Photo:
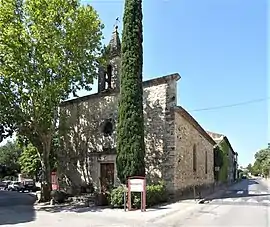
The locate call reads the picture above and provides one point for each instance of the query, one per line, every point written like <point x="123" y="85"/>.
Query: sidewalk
<point x="150" y="215"/>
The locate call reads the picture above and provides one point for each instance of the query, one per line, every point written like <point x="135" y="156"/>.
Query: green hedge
<point x="155" y="194"/>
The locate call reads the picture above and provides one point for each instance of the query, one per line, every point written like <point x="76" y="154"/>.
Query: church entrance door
<point x="106" y="176"/>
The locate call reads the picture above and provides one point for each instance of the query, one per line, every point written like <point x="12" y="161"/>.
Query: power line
<point x="231" y="105"/>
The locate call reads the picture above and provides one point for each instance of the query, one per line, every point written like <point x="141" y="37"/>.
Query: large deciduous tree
<point x="262" y="162"/>
<point x="48" y="50"/>
<point x="130" y="128"/>
<point x="263" y="159"/>
<point x="9" y="158"/>
<point x="30" y="161"/>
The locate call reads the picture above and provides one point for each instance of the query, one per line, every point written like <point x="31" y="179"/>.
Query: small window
<point x="206" y="162"/>
<point x="194" y="158"/>
<point x="107" y="127"/>
<point x="109" y="77"/>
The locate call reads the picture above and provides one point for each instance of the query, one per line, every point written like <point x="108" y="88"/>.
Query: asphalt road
<point x="16" y="208"/>
<point x="13" y="198"/>
<point x="246" y="204"/>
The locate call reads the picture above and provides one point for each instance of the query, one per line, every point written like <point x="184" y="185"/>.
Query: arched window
<point x="107" y="127"/>
<point x="109" y="77"/>
<point x="194" y="158"/>
<point x="206" y="162"/>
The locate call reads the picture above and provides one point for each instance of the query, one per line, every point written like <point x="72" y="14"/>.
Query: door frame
<point x="114" y="171"/>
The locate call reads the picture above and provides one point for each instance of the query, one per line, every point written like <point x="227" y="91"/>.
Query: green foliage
<point x="9" y="155"/>
<point x="249" y="168"/>
<point x="130" y="127"/>
<point x="256" y="168"/>
<point x="218" y="157"/>
<point x="48" y="50"/>
<point x="30" y="161"/>
<point x="262" y="162"/>
<point x="223" y="172"/>
<point x="155" y="194"/>
<point x="218" y="160"/>
<point x="117" y="196"/>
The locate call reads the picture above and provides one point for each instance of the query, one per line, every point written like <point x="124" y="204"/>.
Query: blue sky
<point x="219" y="48"/>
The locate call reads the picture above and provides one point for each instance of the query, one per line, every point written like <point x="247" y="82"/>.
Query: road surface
<point x="12" y="198"/>
<point x="246" y="204"/>
<point x="16" y="207"/>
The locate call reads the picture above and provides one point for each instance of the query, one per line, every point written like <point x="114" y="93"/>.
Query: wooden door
<point x="106" y="176"/>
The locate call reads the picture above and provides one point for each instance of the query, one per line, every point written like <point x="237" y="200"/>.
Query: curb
<point x="216" y="193"/>
<point x="211" y="196"/>
<point x="32" y="195"/>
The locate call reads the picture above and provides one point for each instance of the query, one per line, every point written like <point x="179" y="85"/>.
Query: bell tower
<point x="109" y="78"/>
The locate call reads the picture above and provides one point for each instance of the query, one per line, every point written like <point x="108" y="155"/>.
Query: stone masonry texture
<point x="188" y="137"/>
<point x="169" y="138"/>
<point x="84" y="143"/>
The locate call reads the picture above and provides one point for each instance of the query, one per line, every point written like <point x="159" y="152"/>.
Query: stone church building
<point x="178" y="150"/>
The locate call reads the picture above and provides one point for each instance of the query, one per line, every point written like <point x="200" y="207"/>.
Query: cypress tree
<point x="130" y="127"/>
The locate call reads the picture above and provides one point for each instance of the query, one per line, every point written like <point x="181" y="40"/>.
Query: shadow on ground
<point x="233" y="194"/>
<point x="242" y="190"/>
<point x="16" y="208"/>
<point x="252" y="181"/>
<point x="14" y="215"/>
<point x="69" y="208"/>
<point x="82" y="209"/>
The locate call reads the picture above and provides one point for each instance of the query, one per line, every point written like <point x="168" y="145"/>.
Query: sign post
<point x="137" y="184"/>
<point x="54" y="180"/>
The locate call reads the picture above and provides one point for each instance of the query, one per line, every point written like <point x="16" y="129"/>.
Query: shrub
<point x="102" y="199"/>
<point x="58" y="196"/>
<point x="155" y="194"/>
<point x="117" y="196"/>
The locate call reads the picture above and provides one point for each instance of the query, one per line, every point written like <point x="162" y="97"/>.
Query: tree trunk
<point x="46" y="170"/>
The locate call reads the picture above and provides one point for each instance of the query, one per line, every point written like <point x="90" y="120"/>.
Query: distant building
<point x="229" y="169"/>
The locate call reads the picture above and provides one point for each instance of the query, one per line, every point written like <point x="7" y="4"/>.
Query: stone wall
<point x="190" y="137"/>
<point x="85" y="145"/>
<point x="82" y="136"/>
<point x="231" y="165"/>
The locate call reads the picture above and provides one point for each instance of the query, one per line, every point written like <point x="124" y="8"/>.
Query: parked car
<point x="29" y="185"/>
<point x="4" y="185"/>
<point x="15" y="186"/>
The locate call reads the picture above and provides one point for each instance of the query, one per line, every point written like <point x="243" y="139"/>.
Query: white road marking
<point x="252" y="201"/>
<point x="266" y="201"/>
<point x="238" y="200"/>
<point x="228" y="200"/>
